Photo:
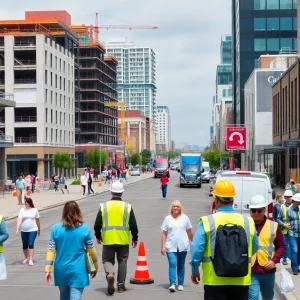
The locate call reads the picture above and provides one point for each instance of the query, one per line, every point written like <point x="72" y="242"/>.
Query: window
<point x="51" y="78"/>
<point x="272" y="4"/>
<point x="273" y="24"/>
<point x="50" y="60"/>
<point x="51" y="116"/>
<point x="46" y="95"/>
<point x="295" y="25"/>
<point x="51" y="97"/>
<point x="46" y="113"/>
<point x="286" y="4"/>
<point x="256" y="63"/>
<point x="46" y="57"/>
<point x="286" y="43"/>
<point x="259" y="24"/>
<point x="51" y="135"/>
<point x="46" y="77"/>
<point x="273" y="44"/>
<point x="286" y="23"/>
<point x="295" y="44"/>
<point x="46" y="134"/>
<point x="260" y="45"/>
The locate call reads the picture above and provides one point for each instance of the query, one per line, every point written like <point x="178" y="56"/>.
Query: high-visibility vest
<point x="284" y="219"/>
<point x="115" y="222"/>
<point x="266" y="243"/>
<point x="1" y="246"/>
<point x="211" y="224"/>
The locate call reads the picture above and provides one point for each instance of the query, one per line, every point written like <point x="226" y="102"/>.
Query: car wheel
<point x="181" y="185"/>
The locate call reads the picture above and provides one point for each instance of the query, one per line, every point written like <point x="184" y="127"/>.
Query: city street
<point x="27" y="283"/>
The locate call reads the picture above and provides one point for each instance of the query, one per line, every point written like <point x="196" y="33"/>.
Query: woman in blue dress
<point x="68" y="242"/>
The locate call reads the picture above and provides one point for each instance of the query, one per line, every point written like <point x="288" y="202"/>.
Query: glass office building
<point x="259" y="27"/>
<point x="226" y="49"/>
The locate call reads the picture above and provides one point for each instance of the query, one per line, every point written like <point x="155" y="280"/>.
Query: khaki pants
<point x="20" y="195"/>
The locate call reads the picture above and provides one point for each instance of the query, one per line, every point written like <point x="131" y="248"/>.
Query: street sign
<point x="291" y="144"/>
<point x="236" y="138"/>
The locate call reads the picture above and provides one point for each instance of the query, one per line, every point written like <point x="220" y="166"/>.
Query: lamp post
<point x="100" y="174"/>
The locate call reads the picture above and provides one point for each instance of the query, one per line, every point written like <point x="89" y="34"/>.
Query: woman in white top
<point x="29" y="220"/>
<point x="176" y="234"/>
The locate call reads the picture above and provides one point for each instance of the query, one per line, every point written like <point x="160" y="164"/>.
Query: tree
<point x="146" y="156"/>
<point x="62" y="160"/>
<point x="92" y="158"/>
<point x="173" y="154"/>
<point x="213" y="157"/>
<point x="136" y="159"/>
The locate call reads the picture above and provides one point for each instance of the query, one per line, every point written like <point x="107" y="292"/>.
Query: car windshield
<point x="206" y="169"/>
<point x="190" y="168"/>
<point x="161" y="165"/>
<point x="135" y="169"/>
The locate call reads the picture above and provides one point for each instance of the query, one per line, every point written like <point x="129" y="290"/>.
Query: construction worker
<point x="3" y="237"/>
<point x="293" y="226"/>
<point x="116" y="220"/>
<point x="271" y="250"/>
<point x="232" y="283"/>
<point x="282" y="221"/>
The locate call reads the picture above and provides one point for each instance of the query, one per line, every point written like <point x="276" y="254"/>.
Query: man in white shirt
<point x="83" y="182"/>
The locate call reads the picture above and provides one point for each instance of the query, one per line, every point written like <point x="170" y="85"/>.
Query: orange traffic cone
<point x="38" y="189"/>
<point x="100" y="183"/>
<point x="14" y="193"/>
<point x="28" y="193"/>
<point x="141" y="275"/>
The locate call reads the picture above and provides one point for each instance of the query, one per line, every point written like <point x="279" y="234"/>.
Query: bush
<point x="76" y="182"/>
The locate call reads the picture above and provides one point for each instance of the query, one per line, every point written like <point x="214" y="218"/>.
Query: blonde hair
<point x="278" y="196"/>
<point x="177" y="203"/>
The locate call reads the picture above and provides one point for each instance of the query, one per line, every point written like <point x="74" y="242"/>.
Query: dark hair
<point x="292" y="182"/>
<point x="225" y="200"/>
<point x="30" y="202"/>
<point x="71" y="215"/>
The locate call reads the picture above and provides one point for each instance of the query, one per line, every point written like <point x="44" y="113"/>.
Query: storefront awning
<point x="272" y="150"/>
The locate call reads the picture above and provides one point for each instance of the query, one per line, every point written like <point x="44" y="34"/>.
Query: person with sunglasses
<point x="271" y="250"/>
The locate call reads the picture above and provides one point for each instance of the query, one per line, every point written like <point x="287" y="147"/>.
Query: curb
<point x="64" y="202"/>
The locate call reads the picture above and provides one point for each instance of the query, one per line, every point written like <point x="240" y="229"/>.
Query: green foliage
<point x="76" y="182"/>
<point x="169" y="154"/>
<point x="146" y="155"/>
<point x="136" y="159"/>
<point x="92" y="158"/>
<point x="62" y="160"/>
<point x="213" y="157"/>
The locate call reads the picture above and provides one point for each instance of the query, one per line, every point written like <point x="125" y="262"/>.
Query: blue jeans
<point x="287" y="247"/>
<point x="164" y="190"/>
<point x="294" y="254"/>
<point x="70" y="293"/>
<point x="176" y="260"/>
<point x="264" y="284"/>
<point x="28" y="239"/>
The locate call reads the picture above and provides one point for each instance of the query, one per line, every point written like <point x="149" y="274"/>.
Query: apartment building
<point x="164" y="128"/>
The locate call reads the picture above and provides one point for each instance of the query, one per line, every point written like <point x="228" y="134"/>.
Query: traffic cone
<point x="28" y="193"/>
<point x="100" y="183"/>
<point x="38" y="189"/>
<point x="141" y="275"/>
<point x="14" y="193"/>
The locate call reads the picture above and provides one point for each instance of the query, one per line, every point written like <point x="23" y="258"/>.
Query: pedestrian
<point x="106" y="174"/>
<point x="176" y="234"/>
<point x="29" y="221"/>
<point x="226" y="267"/>
<point x="90" y="182"/>
<point x="27" y="182"/>
<point x="164" y="180"/>
<point x="277" y="206"/>
<point x="114" y="222"/>
<point x="56" y="182"/>
<point x="282" y="220"/>
<point x="32" y="183"/>
<point x="70" y="271"/>
<point x="20" y="186"/>
<point x="3" y="237"/>
<point x="83" y="182"/>
<point x="292" y="224"/>
<point x="63" y="183"/>
<point x="264" y="261"/>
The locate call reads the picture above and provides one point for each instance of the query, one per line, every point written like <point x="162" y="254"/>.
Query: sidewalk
<point x="47" y="199"/>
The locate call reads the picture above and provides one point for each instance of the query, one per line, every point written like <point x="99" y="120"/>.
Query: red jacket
<point x="164" y="180"/>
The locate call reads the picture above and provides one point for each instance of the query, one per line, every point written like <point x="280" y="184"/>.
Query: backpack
<point x="231" y="251"/>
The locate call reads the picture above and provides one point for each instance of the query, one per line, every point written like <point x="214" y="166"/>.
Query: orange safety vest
<point x="266" y="244"/>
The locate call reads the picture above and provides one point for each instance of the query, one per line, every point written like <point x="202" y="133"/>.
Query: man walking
<point x="20" y="186"/>
<point x="114" y="222"/>
<point x="225" y="248"/>
<point x="282" y="221"/>
<point x="164" y="185"/>
<point x="271" y="249"/>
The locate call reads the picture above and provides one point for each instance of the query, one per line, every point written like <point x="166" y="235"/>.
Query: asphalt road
<point x="27" y="283"/>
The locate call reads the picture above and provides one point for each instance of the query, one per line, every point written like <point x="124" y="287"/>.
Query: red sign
<point x="236" y="138"/>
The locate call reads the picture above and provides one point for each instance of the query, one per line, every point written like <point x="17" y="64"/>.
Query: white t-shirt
<point x="177" y="237"/>
<point x="83" y="180"/>
<point x="28" y="217"/>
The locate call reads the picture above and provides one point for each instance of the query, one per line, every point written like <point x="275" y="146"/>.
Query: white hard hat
<point x="258" y="201"/>
<point x="117" y="187"/>
<point x="288" y="193"/>
<point x="296" y="197"/>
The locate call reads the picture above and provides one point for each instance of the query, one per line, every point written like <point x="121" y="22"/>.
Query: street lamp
<point x="100" y="158"/>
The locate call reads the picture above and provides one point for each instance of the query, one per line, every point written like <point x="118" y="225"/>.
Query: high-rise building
<point x="136" y="76"/>
<point x="226" y="49"/>
<point x="164" y="127"/>
<point x="259" y="27"/>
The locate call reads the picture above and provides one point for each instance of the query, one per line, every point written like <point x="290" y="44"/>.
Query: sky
<point x="187" y="47"/>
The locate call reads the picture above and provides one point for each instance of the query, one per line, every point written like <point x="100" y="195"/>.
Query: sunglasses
<point x="257" y="210"/>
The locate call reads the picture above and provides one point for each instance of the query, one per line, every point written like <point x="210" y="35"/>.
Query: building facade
<point x="164" y="126"/>
<point x="258" y="27"/>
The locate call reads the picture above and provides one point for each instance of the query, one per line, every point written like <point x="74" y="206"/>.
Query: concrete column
<point x="2" y="167"/>
<point x="140" y="136"/>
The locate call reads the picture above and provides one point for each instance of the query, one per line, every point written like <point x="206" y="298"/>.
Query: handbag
<point x="89" y="263"/>
<point x="3" y="273"/>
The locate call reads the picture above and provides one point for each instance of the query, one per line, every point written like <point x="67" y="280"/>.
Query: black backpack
<point x="231" y="251"/>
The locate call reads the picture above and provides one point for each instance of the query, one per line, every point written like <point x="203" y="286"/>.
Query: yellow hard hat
<point x="224" y="188"/>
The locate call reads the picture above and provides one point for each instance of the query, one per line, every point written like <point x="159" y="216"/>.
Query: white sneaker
<point x="180" y="288"/>
<point x="172" y="288"/>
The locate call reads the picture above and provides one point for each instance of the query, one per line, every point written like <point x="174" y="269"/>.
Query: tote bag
<point x="3" y="274"/>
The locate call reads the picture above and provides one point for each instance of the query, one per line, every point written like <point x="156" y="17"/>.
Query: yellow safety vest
<point x="266" y="250"/>
<point x="1" y="246"/>
<point x="211" y="224"/>
<point x="115" y="222"/>
<point x="284" y="219"/>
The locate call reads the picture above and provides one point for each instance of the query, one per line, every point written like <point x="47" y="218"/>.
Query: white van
<point x="248" y="184"/>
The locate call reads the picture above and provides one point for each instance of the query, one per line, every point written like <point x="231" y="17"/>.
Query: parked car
<point x="135" y="171"/>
